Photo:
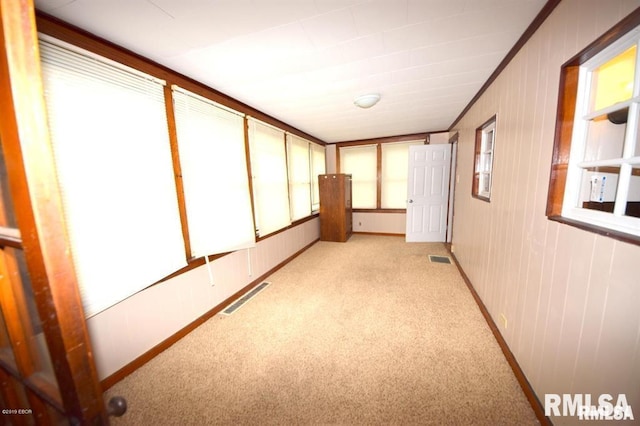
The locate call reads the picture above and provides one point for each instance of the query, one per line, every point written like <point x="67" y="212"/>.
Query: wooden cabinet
<point x="335" y="207"/>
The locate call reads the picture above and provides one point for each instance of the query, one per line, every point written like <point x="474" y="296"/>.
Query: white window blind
<point x="299" y="176"/>
<point x="395" y="167"/>
<point x="361" y="162"/>
<point x="213" y="163"/>
<point x="318" y="167"/>
<point x="269" y="174"/>
<point x="113" y="160"/>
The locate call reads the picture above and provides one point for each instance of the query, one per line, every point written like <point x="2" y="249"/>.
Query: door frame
<point x="453" y="171"/>
<point x="38" y="209"/>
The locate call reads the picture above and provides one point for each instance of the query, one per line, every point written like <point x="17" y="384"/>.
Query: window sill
<point x="379" y="210"/>
<point x="481" y="198"/>
<point x="620" y="236"/>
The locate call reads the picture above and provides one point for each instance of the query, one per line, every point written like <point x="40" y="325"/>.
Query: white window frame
<point x="571" y="208"/>
<point x="485" y="174"/>
<point x="318" y="167"/>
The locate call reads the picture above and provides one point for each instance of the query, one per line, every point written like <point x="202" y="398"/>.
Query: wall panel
<point x="570" y="297"/>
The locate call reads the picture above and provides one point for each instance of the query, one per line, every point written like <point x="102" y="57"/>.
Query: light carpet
<point x="363" y="332"/>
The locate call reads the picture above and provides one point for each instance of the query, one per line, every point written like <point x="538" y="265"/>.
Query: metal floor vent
<point x="439" y="259"/>
<point x="244" y="299"/>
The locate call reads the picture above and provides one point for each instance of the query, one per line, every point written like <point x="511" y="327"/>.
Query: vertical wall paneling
<point x="127" y="330"/>
<point x="570" y="297"/>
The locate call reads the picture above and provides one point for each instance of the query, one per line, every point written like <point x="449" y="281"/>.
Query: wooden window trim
<point x="475" y="188"/>
<point x="568" y="91"/>
<point x="26" y="146"/>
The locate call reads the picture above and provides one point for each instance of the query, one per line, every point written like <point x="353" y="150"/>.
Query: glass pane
<point x="16" y="408"/>
<point x="636" y="150"/>
<point x="599" y="186"/>
<point x="633" y="198"/>
<point x="6" y="354"/>
<point x="28" y="314"/>
<point x="605" y="140"/>
<point x="7" y="215"/>
<point x="361" y="163"/>
<point x="486" y="162"/>
<point x="395" y="171"/>
<point x="612" y="82"/>
<point x="485" y="183"/>
<point x="489" y="141"/>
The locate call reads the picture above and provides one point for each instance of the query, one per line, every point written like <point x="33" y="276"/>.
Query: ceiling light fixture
<point x="367" y="101"/>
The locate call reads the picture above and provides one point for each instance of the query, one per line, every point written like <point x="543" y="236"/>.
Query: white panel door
<point x="428" y="193"/>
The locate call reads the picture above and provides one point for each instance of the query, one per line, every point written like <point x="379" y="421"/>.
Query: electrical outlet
<point x="504" y="320"/>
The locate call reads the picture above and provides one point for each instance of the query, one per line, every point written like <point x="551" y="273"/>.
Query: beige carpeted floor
<point x="363" y="332"/>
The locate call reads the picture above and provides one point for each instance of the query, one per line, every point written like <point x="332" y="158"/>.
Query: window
<point x="299" y="162"/>
<point x="379" y="171"/>
<point x="395" y="169"/>
<point x="595" y="178"/>
<point x="306" y="161"/>
<point x="269" y="174"/>
<point x="361" y="163"/>
<point x="113" y="159"/>
<point x="318" y="167"/>
<point x="483" y="172"/>
<point x="213" y="166"/>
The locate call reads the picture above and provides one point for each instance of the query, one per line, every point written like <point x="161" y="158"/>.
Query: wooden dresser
<point x="335" y="207"/>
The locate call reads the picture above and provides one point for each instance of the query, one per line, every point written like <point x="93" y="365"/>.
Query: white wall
<point x="571" y="298"/>
<point x="379" y="223"/>
<point x="439" y="138"/>
<point x="129" y="329"/>
<point x="330" y="158"/>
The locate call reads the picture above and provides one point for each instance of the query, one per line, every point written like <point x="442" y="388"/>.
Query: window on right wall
<point x="595" y="175"/>
<point x="483" y="171"/>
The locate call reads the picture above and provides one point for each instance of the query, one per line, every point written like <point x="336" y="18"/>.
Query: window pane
<point x="598" y="191"/>
<point x="7" y="215"/>
<point x="299" y="177"/>
<point x="23" y="328"/>
<point x="605" y="140"/>
<point x="485" y="183"/>
<point x="395" y="169"/>
<point x="269" y="174"/>
<point x="633" y="200"/>
<point x="214" y="174"/>
<point x="361" y="162"/>
<point x="612" y="82"/>
<point x="113" y="159"/>
<point x="636" y="149"/>
<point x="318" y="166"/>
<point x="488" y="139"/>
<point x="6" y="354"/>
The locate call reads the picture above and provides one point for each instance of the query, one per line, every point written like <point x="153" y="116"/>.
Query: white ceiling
<point x="304" y="61"/>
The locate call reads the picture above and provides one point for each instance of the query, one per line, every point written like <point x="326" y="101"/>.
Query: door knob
<point x="117" y="406"/>
<point x="410" y="201"/>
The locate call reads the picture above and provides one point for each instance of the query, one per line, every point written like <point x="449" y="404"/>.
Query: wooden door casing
<point x="76" y="395"/>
